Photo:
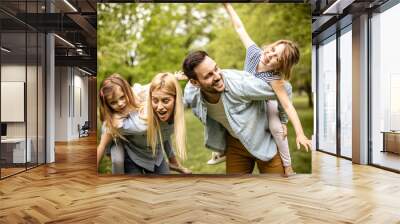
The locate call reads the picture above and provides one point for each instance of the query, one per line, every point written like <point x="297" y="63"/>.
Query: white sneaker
<point x="216" y="158"/>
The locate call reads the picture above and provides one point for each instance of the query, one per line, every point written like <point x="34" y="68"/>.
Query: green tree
<point x="141" y="40"/>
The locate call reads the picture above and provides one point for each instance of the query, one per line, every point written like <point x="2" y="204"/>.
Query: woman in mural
<point x="273" y="64"/>
<point x="142" y="131"/>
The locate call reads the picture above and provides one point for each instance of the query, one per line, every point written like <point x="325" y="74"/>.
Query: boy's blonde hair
<point x="168" y="83"/>
<point x="289" y="57"/>
<point x="107" y="88"/>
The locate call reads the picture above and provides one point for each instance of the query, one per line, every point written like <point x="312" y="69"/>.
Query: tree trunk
<point x="309" y="94"/>
<point x="129" y="79"/>
<point x="310" y="99"/>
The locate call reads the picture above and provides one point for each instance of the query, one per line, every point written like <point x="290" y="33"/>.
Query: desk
<point x="13" y="150"/>
<point x="391" y="141"/>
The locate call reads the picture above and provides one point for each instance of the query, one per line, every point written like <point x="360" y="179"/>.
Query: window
<point x="385" y="85"/>
<point x="22" y="75"/>
<point x="346" y="75"/>
<point x="327" y="95"/>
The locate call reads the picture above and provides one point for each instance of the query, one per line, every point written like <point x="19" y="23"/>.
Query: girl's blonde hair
<point x="107" y="88"/>
<point x="168" y="83"/>
<point x="289" y="57"/>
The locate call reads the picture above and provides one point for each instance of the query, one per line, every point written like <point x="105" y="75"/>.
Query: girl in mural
<point x="139" y="138"/>
<point x="273" y="64"/>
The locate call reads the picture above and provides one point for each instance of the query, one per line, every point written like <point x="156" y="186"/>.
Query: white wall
<point x="61" y="103"/>
<point x="34" y="124"/>
<point x="80" y="110"/>
<point x="71" y="94"/>
<point x="14" y="73"/>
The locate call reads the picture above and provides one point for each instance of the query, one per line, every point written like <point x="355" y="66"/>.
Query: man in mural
<point x="231" y="106"/>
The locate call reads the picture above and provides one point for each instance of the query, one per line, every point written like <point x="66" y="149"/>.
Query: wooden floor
<point x="70" y="191"/>
<point x="10" y="171"/>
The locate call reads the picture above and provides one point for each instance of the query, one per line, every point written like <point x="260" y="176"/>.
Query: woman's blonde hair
<point x="168" y="83"/>
<point x="107" y="88"/>
<point x="289" y="57"/>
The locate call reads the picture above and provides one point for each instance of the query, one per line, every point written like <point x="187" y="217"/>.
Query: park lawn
<point x="198" y="154"/>
<point x="301" y="160"/>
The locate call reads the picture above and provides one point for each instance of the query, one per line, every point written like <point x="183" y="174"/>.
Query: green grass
<point x="198" y="154"/>
<point x="301" y="160"/>
<point x="105" y="165"/>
